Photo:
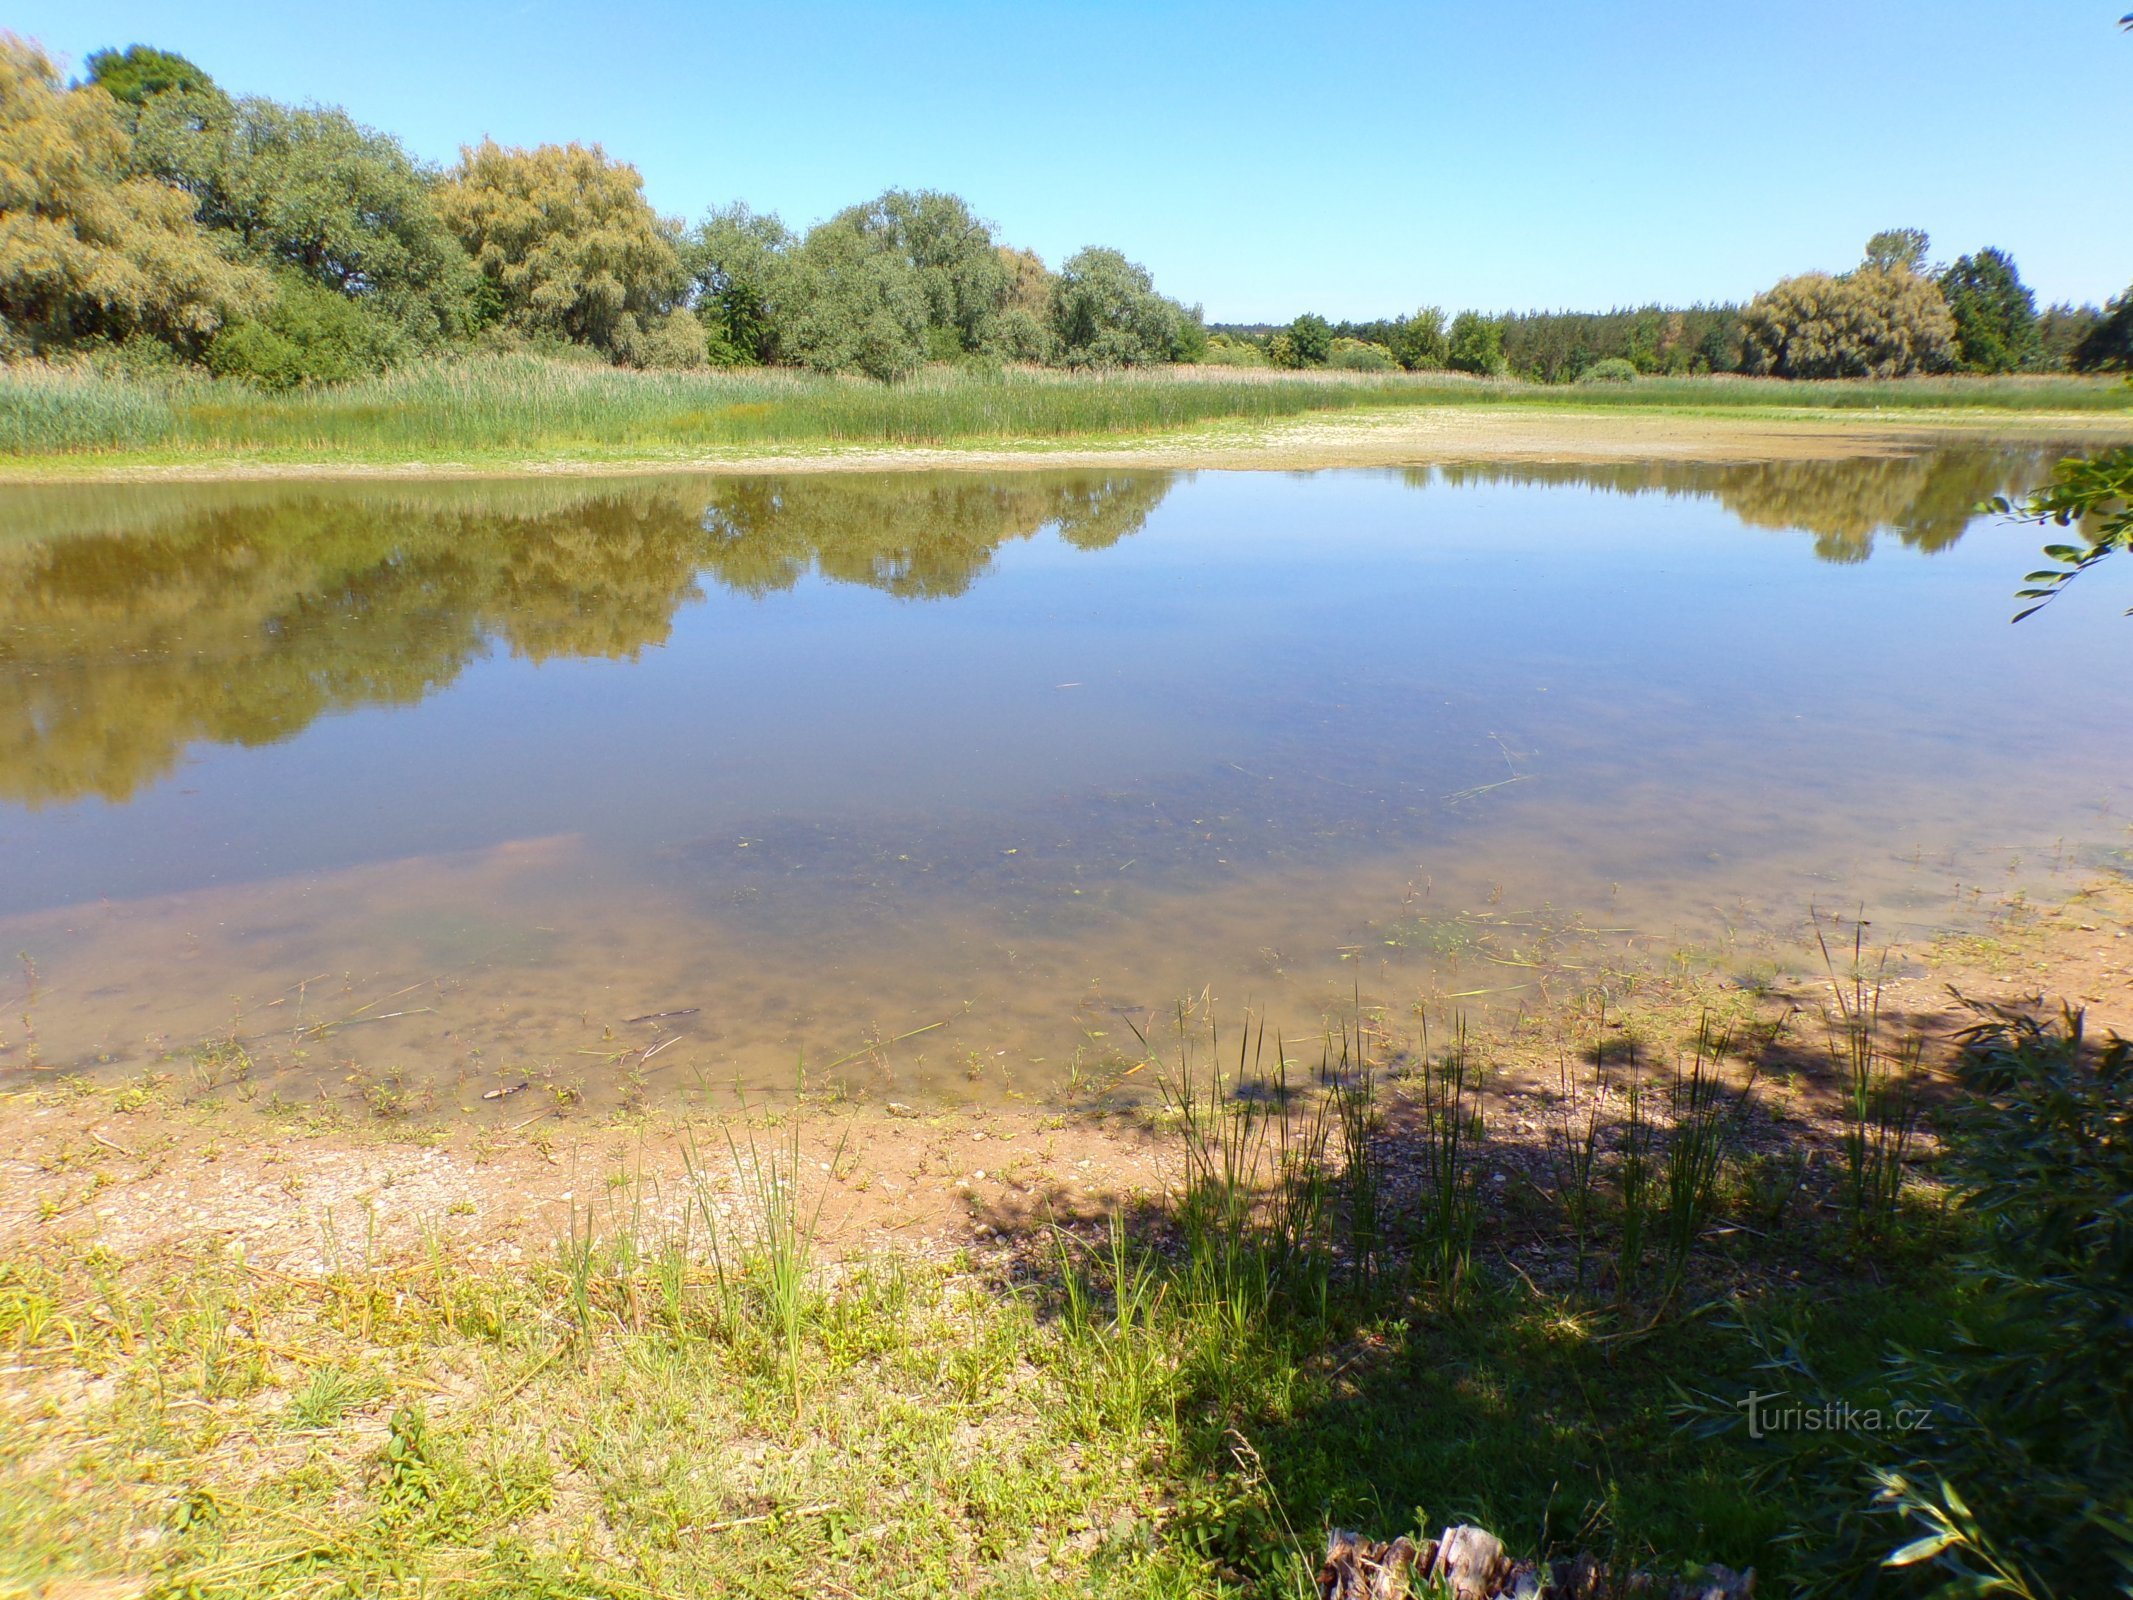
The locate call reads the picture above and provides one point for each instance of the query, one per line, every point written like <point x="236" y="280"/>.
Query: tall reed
<point x="1704" y="1122"/>
<point x="1633" y="1184"/>
<point x="1452" y="1126"/>
<point x="1881" y="1087"/>
<point x="1575" y="1136"/>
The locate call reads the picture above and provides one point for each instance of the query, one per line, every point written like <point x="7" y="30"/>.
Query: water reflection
<point x="153" y="622"/>
<point x="135" y="621"/>
<point x="1926" y="500"/>
<point x="812" y="758"/>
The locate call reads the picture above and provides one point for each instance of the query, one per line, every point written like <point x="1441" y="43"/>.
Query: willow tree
<point x="1876" y="322"/>
<point x="310" y="190"/>
<point x="1106" y="313"/>
<point x="851" y="300"/>
<point x="88" y="250"/>
<point x="566" y="244"/>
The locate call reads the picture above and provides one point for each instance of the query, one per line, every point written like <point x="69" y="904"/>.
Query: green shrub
<point x="1223" y="351"/>
<point x="671" y="343"/>
<point x="1613" y="370"/>
<point x="2034" y="1400"/>
<point x="2014" y="1474"/>
<point x="1359" y="355"/>
<point x="307" y="335"/>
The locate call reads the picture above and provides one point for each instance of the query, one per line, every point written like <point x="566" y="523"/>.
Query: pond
<point x="408" y="794"/>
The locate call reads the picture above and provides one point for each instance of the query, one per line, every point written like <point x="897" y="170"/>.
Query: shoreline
<point x="1400" y="437"/>
<point x="268" y="1174"/>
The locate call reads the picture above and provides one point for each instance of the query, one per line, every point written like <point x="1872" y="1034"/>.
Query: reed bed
<point x="522" y="405"/>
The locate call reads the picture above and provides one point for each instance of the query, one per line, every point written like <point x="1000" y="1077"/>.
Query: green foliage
<point x="1417" y="342"/>
<point x="1475" y="344"/>
<point x="1224" y="351"/>
<point x="1358" y="355"/>
<point x="672" y="343"/>
<point x="1188" y="346"/>
<point x="1995" y="313"/>
<point x="1559" y="346"/>
<point x="961" y="277"/>
<point x="309" y="189"/>
<point x="850" y="300"/>
<point x="2034" y="1413"/>
<point x="306" y="335"/>
<point x="89" y="249"/>
<point x="735" y="256"/>
<point x="1311" y="337"/>
<point x="1614" y="369"/>
<point x="2093" y="494"/>
<point x="565" y="241"/>
<point x="1898" y="250"/>
<point x="1106" y="313"/>
<point x="2060" y="330"/>
<point x="2107" y="345"/>
<point x="141" y="71"/>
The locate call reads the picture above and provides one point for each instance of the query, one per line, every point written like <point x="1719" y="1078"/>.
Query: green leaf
<point x="1922" y="1549"/>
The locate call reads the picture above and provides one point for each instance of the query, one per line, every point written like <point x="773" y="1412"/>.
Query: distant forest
<point x="150" y="223"/>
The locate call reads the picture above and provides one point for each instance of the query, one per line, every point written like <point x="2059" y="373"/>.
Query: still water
<point x="943" y="781"/>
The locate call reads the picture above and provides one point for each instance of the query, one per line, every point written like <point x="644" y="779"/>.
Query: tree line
<point x="150" y="219"/>
<point x="1891" y="316"/>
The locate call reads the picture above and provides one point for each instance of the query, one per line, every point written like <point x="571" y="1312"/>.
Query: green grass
<point x="523" y="407"/>
<point x="681" y="1395"/>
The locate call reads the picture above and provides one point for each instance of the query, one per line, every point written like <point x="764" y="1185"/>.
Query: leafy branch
<point x="2094" y="491"/>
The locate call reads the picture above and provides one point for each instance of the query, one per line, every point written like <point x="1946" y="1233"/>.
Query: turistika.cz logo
<point x="1781" y="1413"/>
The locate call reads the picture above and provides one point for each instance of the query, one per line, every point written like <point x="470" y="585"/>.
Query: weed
<point x="1881" y="1093"/>
<point x="1452" y="1125"/>
<point x="1703" y="1127"/>
<point x="332" y="1392"/>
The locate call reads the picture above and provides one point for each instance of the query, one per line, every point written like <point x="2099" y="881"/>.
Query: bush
<point x="2035" y="1405"/>
<point x="1613" y="370"/>
<point x="2015" y="1475"/>
<point x="1223" y="351"/>
<point x="672" y="343"/>
<point x="306" y="335"/>
<point x="1359" y="355"/>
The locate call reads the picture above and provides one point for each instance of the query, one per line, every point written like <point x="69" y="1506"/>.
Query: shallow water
<point x="946" y="782"/>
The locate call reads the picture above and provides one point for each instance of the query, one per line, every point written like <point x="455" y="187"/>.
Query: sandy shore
<point x="1397" y="438"/>
<point x="143" y="1166"/>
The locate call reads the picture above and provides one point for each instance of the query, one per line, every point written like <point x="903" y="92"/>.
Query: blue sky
<point x="1265" y="159"/>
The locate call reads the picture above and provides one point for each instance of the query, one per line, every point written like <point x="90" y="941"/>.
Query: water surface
<point x="942" y="780"/>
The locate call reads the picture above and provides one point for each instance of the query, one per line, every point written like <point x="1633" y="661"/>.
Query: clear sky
<point x="1268" y="158"/>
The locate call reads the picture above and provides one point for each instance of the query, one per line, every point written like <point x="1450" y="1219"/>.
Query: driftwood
<point x="1468" y="1563"/>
